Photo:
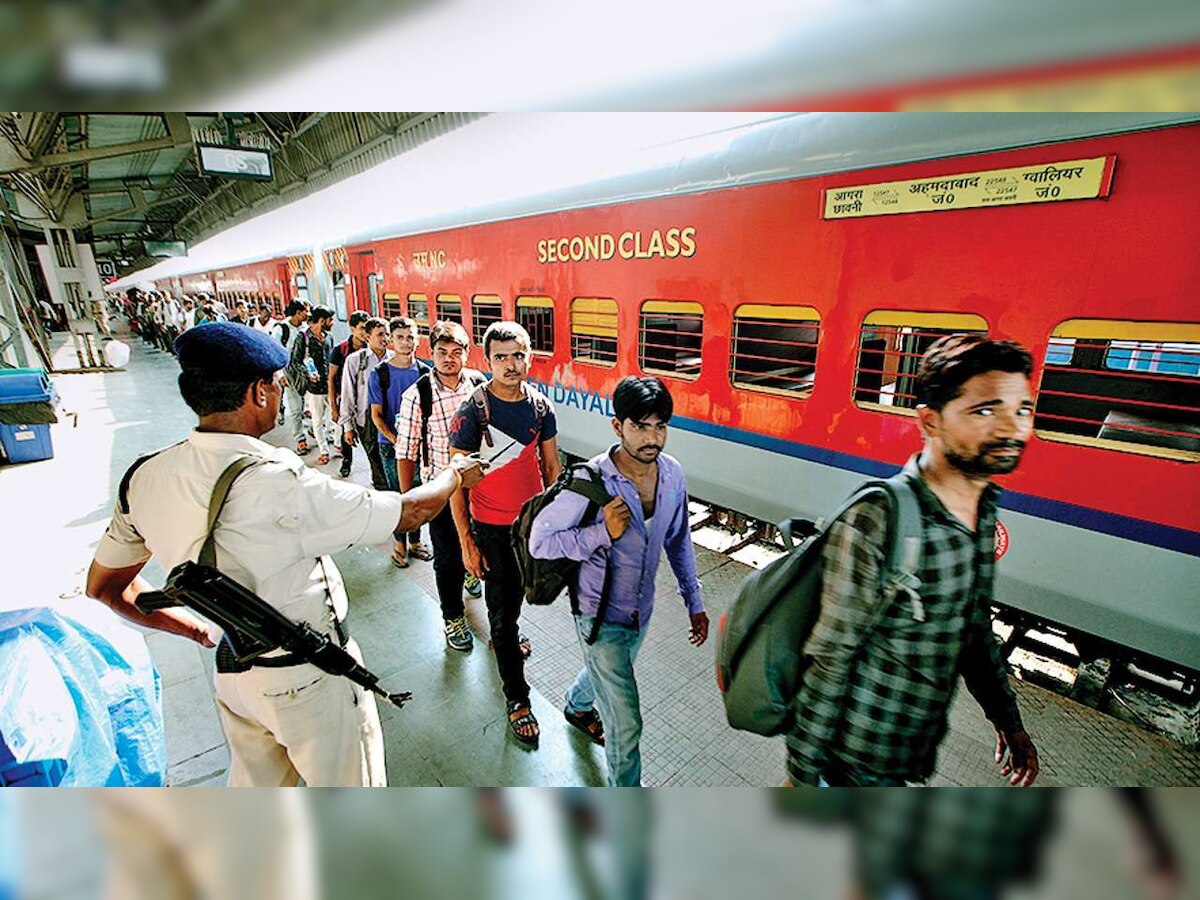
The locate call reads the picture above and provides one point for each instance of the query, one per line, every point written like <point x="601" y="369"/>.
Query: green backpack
<point x="760" y="640"/>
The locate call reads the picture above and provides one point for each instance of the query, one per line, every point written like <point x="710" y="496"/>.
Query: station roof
<point x="122" y="180"/>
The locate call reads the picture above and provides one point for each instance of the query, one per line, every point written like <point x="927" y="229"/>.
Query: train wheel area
<point x="454" y="732"/>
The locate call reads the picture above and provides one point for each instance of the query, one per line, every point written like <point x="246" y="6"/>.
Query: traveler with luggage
<point x="618" y="546"/>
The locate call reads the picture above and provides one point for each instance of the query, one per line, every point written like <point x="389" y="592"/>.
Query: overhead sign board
<point x="234" y="162"/>
<point x="1077" y="179"/>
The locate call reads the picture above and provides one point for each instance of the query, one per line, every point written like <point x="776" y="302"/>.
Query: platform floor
<point x="454" y="732"/>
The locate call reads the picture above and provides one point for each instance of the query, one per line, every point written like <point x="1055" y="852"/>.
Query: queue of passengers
<point x="462" y="452"/>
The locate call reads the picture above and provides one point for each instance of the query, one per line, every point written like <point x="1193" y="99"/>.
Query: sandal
<point x="323" y="459"/>
<point x="526" y="647"/>
<point x="420" y="551"/>
<point x="302" y="447"/>
<point x="523" y="720"/>
<point x="588" y="722"/>
<point x="399" y="557"/>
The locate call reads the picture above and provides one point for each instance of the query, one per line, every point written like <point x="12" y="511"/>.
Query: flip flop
<point x="399" y="559"/>
<point x="421" y="552"/>
<point x="524" y="718"/>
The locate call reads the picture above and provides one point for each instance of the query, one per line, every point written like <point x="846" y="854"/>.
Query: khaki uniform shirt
<point x="279" y="522"/>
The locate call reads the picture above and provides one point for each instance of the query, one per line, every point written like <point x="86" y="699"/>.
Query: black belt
<point x="228" y="664"/>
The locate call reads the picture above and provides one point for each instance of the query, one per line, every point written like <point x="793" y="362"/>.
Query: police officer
<point x="284" y="720"/>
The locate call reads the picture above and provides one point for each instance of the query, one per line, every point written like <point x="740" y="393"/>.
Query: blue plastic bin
<point x="24" y="386"/>
<point x="26" y="443"/>
<point x="35" y="773"/>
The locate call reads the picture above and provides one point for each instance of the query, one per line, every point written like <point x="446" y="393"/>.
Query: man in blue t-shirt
<point x="385" y="385"/>
<point x="519" y="438"/>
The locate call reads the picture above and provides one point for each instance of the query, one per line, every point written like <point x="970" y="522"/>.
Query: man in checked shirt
<point x="873" y="705"/>
<point x="428" y="444"/>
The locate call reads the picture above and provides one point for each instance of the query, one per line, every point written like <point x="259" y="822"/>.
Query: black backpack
<point x="760" y="640"/>
<point x="425" y="396"/>
<point x="544" y="579"/>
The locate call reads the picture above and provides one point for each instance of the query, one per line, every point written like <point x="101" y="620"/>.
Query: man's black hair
<point x="207" y="395"/>
<point x="637" y="399"/>
<point x="448" y="330"/>
<point x="320" y="312"/>
<point x="375" y="322"/>
<point x="952" y="361"/>
<point x="399" y="323"/>
<point x="499" y="332"/>
<point x="294" y="307"/>
<point x="357" y="317"/>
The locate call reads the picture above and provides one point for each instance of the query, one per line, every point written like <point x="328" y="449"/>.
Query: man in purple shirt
<point x="648" y="513"/>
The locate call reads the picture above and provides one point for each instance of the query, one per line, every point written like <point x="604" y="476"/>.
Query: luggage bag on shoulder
<point x="760" y="640"/>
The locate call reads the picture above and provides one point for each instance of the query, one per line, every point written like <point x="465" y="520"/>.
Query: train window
<point x="669" y="337"/>
<point x="391" y="306"/>
<point x="594" y="330"/>
<point x="449" y="308"/>
<point x="1132" y="386"/>
<point x="302" y="287"/>
<point x="278" y="305"/>
<point x="418" y="311"/>
<point x="486" y="309"/>
<point x="774" y="348"/>
<point x="536" y="315"/>
<point x="890" y="348"/>
<point x="339" y="294"/>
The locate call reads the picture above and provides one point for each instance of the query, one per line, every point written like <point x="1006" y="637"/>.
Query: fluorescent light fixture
<point x="165" y="248"/>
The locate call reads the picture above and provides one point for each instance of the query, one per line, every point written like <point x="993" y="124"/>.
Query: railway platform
<point x="454" y="732"/>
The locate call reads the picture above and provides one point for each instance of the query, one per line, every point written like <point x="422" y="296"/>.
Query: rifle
<point x="252" y="626"/>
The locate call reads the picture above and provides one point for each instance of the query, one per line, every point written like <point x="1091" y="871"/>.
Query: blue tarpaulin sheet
<point x="94" y="700"/>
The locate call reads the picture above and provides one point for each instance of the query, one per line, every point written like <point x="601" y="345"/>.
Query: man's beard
<point x="980" y="465"/>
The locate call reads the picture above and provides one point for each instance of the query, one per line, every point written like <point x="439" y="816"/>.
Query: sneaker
<point x="458" y="635"/>
<point x="344" y="472"/>
<point x="473" y="586"/>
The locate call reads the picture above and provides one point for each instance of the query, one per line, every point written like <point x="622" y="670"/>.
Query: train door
<point x="283" y="296"/>
<point x="366" y="282"/>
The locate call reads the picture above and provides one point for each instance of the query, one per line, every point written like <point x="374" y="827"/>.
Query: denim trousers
<point x="387" y="456"/>
<point x="607" y="679"/>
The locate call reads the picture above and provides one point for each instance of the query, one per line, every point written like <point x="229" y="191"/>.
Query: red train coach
<point x="785" y="283"/>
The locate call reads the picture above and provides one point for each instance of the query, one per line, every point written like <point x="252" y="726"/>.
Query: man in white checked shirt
<point x="427" y="441"/>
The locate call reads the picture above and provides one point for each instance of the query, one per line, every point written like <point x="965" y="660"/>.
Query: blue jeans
<point x="607" y="679"/>
<point x="387" y="456"/>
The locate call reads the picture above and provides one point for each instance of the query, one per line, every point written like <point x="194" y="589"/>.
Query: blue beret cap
<point x="229" y="350"/>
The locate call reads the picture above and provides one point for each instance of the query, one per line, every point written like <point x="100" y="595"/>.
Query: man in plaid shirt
<point x="873" y="705"/>
<point x="450" y="385"/>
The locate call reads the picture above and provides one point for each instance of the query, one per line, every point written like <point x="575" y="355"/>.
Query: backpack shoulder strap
<point x="541" y="405"/>
<point x="905" y="531"/>
<point x="479" y="397"/>
<point x="123" y="488"/>
<point x="208" y="550"/>
<point x="588" y="482"/>
<point x="385" y="379"/>
<point x="425" y="394"/>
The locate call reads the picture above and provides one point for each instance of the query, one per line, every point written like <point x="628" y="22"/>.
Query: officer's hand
<point x="1017" y="757"/>
<point x="471" y="468"/>
<point x="206" y="635"/>
<point x="473" y="560"/>
<point x="616" y="517"/>
<point x="351" y="437"/>
<point x="699" y="633"/>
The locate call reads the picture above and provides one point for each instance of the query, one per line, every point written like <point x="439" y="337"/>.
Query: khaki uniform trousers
<point x="283" y="725"/>
<point x="217" y="845"/>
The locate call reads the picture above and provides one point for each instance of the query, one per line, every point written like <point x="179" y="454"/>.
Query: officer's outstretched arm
<point x="119" y="588"/>
<point x="425" y="501"/>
